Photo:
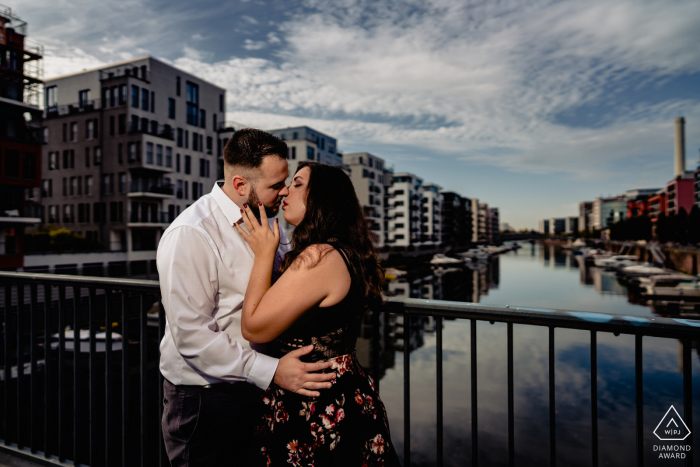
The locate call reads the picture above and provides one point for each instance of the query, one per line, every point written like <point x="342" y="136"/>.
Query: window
<point x="113" y="211"/>
<point x="122" y="124"/>
<point x="154" y="127"/>
<point x="80" y="186"/>
<point x="120" y="153"/>
<point x="122" y="182"/>
<point x="180" y="138"/>
<point x="171" y="107"/>
<point x="74" y="131"/>
<point x="177" y="86"/>
<point x="81" y="212"/>
<point x="399" y="226"/>
<point x="53" y="214"/>
<point x="47" y="188"/>
<point x="195" y="190"/>
<point x="159" y="154"/>
<point x="310" y="153"/>
<point x="295" y="135"/>
<point x="187" y="139"/>
<point x="294" y="153"/>
<point x="202" y="169"/>
<point x="144" y="125"/>
<point x="105" y="98"/>
<point x="68" y="213"/>
<point x="53" y="160"/>
<point x="88" y="185"/>
<point x="210" y="143"/>
<point x="45" y="139"/>
<point x="195" y="142"/>
<point x="153" y="101"/>
<point x="149" y="153"/>
<point x="177" y="162"/>
<point x="188" y="165"/>
<point x="221" y="102"/>
<point x="83" y="97"/>
<point x="132" y="152"/>
<point x="122" y="94"/>
<point x="65" y="132"/>
<point x="134" y="96"/>
<point x="187" y="185"/>
<point x="111" y="125"/>
<point x="202" y="118"/>
<point x="29" y="166"/>
<point x="144" y="99"/>
<point x="89" y="129"/>
<point x="213" y="121"/>
<point x="65" y="186"/>
<point x="179" y="189"/>
<point x="105" y="184"/>
<point x="207" y="173"/>
<point x="97" y="156"/>
<point x="51" y="97"/>
<point x="192" y="104"/>
<point x="168" y="157"/>
<point x="87" y="157"/>
<point x="115" y="96"/>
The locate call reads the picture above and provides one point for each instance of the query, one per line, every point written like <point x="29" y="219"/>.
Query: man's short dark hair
<point x="247" y="148"/>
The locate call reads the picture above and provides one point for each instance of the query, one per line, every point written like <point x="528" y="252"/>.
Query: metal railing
<point x="81" y="407"/>
<point x="146" y="186"/>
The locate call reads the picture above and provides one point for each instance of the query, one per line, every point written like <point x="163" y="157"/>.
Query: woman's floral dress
<point x="347" y="424"/>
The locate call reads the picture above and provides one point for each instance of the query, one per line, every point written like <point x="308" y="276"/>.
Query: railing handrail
<point x="569" y="319"/>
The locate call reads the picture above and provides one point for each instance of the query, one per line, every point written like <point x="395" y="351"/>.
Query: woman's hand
<point x="262" y="240"/>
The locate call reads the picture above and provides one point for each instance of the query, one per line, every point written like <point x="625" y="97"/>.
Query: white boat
<point x="616" y="262"/>
<point x="668" y="286"/>
<point x="440" y="258"/>
<point x="642" y="270"/>
<point x="642" y="282"/>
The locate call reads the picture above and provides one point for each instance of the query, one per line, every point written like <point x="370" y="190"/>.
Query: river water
<point x="541" y="277"/>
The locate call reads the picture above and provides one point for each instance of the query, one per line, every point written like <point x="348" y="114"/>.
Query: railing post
<point x="475" y="432"/>
<point x="511" y="404"/>
<point x="8" y="364"/>
<point x="407" y="389"/>
<point x="688" y="396"/>
<point x="33" y="390"/>
<point x="639" y="393"/>
<point x="20" y="363"/>
<point x="439" y="408"/>
<point x="594" y="399"/>
<point x="552" y="403"/>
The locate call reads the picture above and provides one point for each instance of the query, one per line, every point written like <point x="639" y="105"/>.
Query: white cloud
<point x="254" y="45"/>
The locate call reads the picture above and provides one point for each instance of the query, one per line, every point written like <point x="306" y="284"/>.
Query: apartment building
<point x="680" y="194"/>
<point x="585" y="211"/>
<point x="494" y="230"/>
<point x="607" y="211"/>
<point x="308" y="144"/>
<point x="431" y="214"/>
<point x="403" y="210"/>
<point x="456" y="221"/>
<point x="129" y="147"/>
<point x="483" y="225"/>
<point x="20" y="136"/>
<point x="367" y="173"/>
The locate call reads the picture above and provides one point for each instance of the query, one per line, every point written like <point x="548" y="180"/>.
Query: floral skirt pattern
<point x="345" y="426"/>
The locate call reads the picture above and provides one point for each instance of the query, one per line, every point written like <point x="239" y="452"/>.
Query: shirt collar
<point x="230" y="209"/>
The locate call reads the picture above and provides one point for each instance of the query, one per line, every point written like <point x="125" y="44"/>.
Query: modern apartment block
<point x="20" y="136"/>
<point x="585" y="210"/>
<point x="483" y="225"/>
<point x="456" y="220"/>
<point x="307" y="144"/>
<point x="431" y="215"/>
<point x="367" y="173"/>
<point x="403" y="213"/>
<point x="129" y="147"/>
<point x="494" y="221"/>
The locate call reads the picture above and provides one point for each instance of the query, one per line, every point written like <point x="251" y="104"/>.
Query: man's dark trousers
<point x="211" y="426"/>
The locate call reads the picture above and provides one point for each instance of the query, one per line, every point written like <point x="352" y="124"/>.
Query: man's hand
<point x="294" y="375"/>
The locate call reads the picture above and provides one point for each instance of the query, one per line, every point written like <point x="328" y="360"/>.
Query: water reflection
<point x="539" y="277"/>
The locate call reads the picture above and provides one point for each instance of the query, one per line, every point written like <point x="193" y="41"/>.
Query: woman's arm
<point x="267" y="312"/>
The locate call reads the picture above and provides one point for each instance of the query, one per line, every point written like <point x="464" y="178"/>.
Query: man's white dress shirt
<point x="204" y="267"/>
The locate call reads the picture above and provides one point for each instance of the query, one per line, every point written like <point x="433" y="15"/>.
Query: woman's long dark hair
<point x="333" y="213"/>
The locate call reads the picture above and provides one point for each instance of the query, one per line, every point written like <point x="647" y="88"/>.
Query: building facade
<point x="20" y="137"/>
<point x="431" y="215"/>
<point x="456" y="221"/>
<point x="403" y="210"/>
<point x="367" y="176"/>
<point x="680" y="194"/>
<point x="129" y="147"/>
<point x="607" y="211"/>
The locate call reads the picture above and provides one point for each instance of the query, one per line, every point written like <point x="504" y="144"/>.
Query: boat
<point x="616" y="262"/>
<point x="673" y="287"/>
<point x="643" y="270"/>
<point x="440" y="259"/>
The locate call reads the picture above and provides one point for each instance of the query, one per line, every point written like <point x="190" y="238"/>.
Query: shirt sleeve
<point x="187" y="266"/>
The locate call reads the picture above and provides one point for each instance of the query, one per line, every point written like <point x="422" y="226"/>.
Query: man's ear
<point x="240" y="184"/>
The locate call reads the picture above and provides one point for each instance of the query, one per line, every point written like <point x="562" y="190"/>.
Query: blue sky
<point x="531" y="106"/>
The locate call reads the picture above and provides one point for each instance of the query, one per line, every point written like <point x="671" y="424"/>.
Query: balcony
<point x="161" y="131"/>
<point x="146" y="189"/>
<point x="148" y="218"/>
<point x="76" y="108"/>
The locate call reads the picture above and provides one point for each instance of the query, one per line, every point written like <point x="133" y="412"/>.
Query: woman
<point x="330" y="276"/>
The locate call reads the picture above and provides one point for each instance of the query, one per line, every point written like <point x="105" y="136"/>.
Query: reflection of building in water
<point x="376" y="343"/>
<point x="586" y="275"/>
<point x="606" y="283"/>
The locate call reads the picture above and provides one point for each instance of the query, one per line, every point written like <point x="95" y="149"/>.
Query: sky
<point x="529" y="105"/>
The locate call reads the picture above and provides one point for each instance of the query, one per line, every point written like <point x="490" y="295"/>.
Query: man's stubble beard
<point x="253" y="202"/>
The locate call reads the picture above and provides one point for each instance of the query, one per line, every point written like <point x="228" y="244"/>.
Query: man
<point x="213" y="379"/>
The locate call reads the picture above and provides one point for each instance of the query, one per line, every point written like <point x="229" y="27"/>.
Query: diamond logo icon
<point x="672" y="427"/>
